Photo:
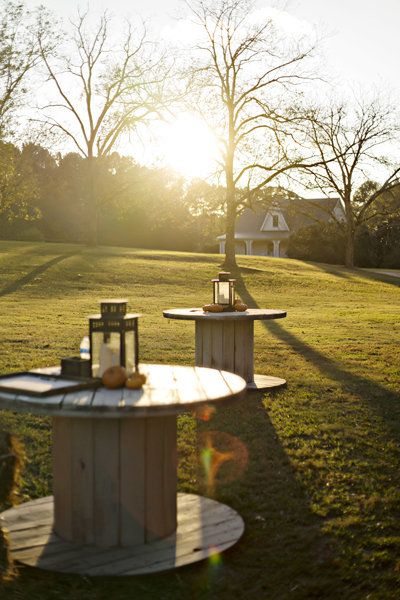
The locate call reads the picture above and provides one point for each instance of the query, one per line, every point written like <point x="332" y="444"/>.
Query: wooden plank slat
<point x="130" y="398"/>
<point x="170" y="472"/>
<point x="198" y="357"/>
<point x="107" y="399"/>
<point x="213" y="383"/>
<point x="154" y="471"/>
<point x="80" y="399"/>
<point x="207" y="343"/>
<point x="240" y="349"/>
<point x="132" y="481"/>
<point x="62" y="476"/>
<point x="228" y="347"/>
<point x="106" y="478"/>
<point x="248" y="346"/>
<point x="217" y="344"/>
<point x="82" y="476"/>
<point x="244" y="341"/>
<point x="188" y="383"/>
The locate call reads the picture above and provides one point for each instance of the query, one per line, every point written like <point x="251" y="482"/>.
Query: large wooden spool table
<point x="225" y="340"/>
<point x="115" y="508"/>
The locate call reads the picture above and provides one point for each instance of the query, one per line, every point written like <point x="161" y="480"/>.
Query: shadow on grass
<point x="385" y="402"/>
<point x="168" y="256"/>
<point x="19" y="283"/>
<point x="345" y="273"/>
<point x="283" y="553"/>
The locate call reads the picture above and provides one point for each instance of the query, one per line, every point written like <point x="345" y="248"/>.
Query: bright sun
<point x="189" y="146"/>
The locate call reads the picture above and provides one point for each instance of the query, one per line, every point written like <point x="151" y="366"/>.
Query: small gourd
<point x="240" y="306"/>
<point x="213" y="308"/>
<point x="135" y="381"/>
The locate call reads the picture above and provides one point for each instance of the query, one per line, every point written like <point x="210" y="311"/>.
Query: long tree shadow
<point x="16" y="285"/>
<point x="384" y="401"/>
<point x="346" y="273"/>
<point x="284" y="553"/>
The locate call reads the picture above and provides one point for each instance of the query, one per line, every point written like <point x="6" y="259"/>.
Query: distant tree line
<point x="376" y="239"/>
<point x="44" y="199"/>
<point x="248" y="82"/>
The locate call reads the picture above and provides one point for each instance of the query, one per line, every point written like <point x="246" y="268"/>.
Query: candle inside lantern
<point x="113" y="338"/>
<point x="224" y="291"/>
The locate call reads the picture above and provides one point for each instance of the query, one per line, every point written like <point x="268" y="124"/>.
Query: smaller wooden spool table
<point x="225" y="340"/>
<point x="115" y="509"/>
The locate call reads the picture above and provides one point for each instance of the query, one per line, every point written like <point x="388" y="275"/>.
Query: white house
<point x="265" y="232"/>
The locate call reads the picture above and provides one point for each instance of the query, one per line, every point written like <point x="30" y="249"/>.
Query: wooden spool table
<point x="225" y="340"/>
<point x="115" y="509"/>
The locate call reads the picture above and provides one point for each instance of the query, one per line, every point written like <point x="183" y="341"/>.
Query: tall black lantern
<point x="224" y="291"/>
<point x="114" y="338"/>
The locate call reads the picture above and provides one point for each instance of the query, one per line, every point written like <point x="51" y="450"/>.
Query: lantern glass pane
<point x="130" y="351"/>
<point x="223" y="292"/>
<point x="105" y="351"/>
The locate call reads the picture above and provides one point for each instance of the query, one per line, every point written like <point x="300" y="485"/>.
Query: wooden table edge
<point x="222" y="316"/>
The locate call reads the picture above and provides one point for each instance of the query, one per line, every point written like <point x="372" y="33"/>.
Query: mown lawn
<point x="320" y="491"/>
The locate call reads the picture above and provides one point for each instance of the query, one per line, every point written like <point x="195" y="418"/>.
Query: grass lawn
<point x="320" y="491"/>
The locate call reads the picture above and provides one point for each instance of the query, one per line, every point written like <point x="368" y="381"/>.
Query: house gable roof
<point x="268" y="223"/>
<point x="297" y="213"/>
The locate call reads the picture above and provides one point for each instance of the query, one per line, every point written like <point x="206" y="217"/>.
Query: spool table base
<point x="205" y="528"/>
<point x="266" y="382"/>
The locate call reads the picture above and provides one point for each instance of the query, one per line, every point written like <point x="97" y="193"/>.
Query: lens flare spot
<point x="205" y="413"/>
<point x="223" y="457"/>
<point x="215" y="558"/>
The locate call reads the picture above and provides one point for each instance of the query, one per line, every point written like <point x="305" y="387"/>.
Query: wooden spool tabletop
<point x="167" y="391"/>
<point x="225" y="340"/>
<point x="198" y="314"/>
<point x="115" y="509"/>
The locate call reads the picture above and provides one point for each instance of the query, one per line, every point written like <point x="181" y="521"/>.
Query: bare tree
<point x="245" y="81"/>
<point x="106" y="86"/>
<point x="19" y="54"/>
<point x="356" y="138"/>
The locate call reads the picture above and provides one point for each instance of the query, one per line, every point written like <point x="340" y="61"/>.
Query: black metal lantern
<point x="114" y="338"/>
<point x="224" y="291"/>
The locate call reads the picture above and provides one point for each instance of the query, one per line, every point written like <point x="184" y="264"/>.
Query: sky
<point x="359" y="50"/>
<point x="361" y="42"/>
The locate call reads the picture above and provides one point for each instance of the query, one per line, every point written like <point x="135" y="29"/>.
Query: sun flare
<point x="189" y="146"/>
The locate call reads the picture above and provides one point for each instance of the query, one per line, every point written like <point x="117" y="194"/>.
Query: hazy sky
<point x="362" y="43"/>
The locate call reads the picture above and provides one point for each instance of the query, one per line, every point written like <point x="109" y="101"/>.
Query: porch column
<point x="222" y="247"/>
<point x="249" y="246"/>
<point x="276" y="247"/>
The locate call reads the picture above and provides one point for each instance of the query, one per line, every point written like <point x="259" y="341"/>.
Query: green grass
<point x="320" y="491"/>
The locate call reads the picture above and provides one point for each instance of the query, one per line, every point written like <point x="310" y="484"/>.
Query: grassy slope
<point x="320" y="493"/>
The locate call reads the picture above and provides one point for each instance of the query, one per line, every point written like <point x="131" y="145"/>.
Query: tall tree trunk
<point x="350" y="243"/>
<point x="350" y="232"/>
<point x="349" y="256"/>
<point x="92" y="204"/>
<point x="230" y="255"/>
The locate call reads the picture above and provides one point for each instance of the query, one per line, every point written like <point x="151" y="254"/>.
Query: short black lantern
<point x="114" y="338"/>
<point x="224" y="291"/>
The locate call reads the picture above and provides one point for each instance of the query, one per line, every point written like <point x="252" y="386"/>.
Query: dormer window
<point x="275" y="221"/>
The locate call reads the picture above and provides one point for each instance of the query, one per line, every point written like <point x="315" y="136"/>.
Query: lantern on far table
<point x="114" y="338"/>
<point x="224" y="291"/>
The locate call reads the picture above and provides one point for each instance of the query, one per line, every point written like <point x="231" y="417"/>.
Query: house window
<point x="275" y="221"/>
